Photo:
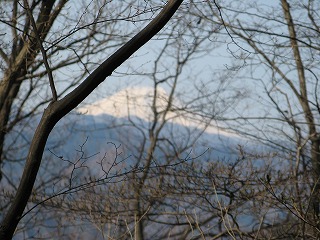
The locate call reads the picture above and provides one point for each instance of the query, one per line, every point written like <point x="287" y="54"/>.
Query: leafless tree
<point x="30" y="39"/>
<point x="175" y="181"/>
<point x="275" y="47"/>
<point x="138" y="203"/>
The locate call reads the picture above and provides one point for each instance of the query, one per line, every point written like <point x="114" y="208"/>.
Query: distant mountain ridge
<point x="108" y="121"/>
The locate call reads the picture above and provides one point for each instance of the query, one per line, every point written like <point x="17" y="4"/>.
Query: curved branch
<point x="74" y="98"/>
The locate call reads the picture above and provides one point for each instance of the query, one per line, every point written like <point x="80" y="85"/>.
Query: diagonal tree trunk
<point x="58" y="109"/>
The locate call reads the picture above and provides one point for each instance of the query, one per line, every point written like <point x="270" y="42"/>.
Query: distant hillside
<point x="107" y="121"/>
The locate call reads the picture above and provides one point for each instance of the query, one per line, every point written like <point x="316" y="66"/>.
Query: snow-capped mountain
<point x="105" y="121"/>
<point x="139" y="101"/>
<point x="129" y="101"/>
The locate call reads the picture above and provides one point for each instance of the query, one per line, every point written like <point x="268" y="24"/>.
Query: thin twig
<point x="226" y="28"/>
<point x="44" y="54"/>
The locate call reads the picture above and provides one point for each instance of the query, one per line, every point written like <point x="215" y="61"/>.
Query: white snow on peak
<point x="136" y="101"/>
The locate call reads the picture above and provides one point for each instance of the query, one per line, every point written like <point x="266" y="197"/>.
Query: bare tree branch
<point x="44" y="54"/>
